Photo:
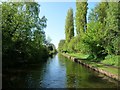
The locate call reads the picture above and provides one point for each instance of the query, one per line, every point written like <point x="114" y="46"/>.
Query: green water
<point x="57" y="72"/>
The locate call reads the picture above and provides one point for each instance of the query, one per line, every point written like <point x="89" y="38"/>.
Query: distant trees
<point x="51" y="49"/>
<point x="69" y="31"/>
<point x="50" y="46"/>
<point x="60" y="45"/>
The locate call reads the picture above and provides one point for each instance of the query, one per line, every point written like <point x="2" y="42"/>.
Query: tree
<point x="99" y="12"/>
<point x="81" y="20"/>
<point x="102" y="36"/>
<point x="112" y="34"/>
<point x="69" y="26"/>
<point x="48" y="40"/>
<point x="22" y="32"/>
<point x="93" y="39"/>
<point x="94" y="36"/>
<point x="51" y="49"/>
<point x="60" y="45"/>
<point x="72" y="45"/>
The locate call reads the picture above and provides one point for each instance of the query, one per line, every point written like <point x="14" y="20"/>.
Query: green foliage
<point x="102" y="30"/>
<point x="99" y="12"/>
<point x="101" y="37"/>
<point x="79" y="55"/>
<point x="22" y="33"/>
<point x="112" y="28"/>
<point x="111" y="60"/>
<point x="51" y="49"/>
<point x="65" y="47"/>
<point x="93" y="39"/>
<point x="81" y="12"/>
<point x="60" y="45"/>
<point x="71" y="45"/>
<point x="69" y="26"/>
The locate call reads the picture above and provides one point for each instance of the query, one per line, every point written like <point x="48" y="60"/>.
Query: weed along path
<point x="59" y="72"/>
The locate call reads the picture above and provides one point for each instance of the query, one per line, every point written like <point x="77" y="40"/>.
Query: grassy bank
<point x="109" y="64"/>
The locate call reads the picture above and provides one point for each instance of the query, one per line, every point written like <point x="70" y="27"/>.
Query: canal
<point x="58" y="72"/>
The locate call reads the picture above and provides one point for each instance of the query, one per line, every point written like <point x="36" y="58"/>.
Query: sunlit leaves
<point x="22" y="28"/>
<point x="112" y="28"/>
<point x="80" y="19"/>
<point x="69" y="25"/>
<point x="60" y="45"/>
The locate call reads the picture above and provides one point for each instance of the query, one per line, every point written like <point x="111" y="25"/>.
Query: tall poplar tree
<point x="69" y="26"/>
<point x="81" y="12"/>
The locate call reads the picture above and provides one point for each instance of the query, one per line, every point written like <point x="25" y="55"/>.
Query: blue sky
<point x="56" y="12"/>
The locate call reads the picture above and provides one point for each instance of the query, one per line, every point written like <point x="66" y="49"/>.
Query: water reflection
<point x="78" y="76"/>
<point x="57" y="72"/>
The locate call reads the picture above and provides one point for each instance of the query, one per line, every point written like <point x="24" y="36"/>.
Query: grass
<point x="109" y="60"/>
<point x="112" y="60"/>
<point x="109" y="69"/>
<point x="103" y="67"/>
<point x="79" y="55"/>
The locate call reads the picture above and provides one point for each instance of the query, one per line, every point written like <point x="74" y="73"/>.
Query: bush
<point x="112" y="60"/>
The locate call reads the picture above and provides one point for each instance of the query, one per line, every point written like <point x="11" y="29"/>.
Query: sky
<point x="56" y="12"/>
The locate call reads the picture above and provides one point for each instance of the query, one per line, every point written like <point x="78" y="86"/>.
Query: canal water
<point x="58" y="72"/>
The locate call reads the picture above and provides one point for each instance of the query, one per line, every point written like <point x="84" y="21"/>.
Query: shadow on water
<point x="57" y="72"/>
